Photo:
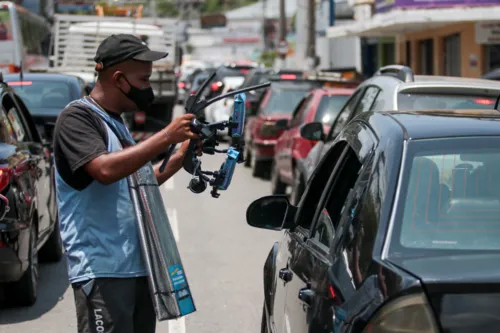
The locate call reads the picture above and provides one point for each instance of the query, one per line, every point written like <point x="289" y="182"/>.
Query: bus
<point x="24" y="39"/>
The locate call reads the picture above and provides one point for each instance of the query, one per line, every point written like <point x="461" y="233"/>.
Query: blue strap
<point x="118" y="127"/>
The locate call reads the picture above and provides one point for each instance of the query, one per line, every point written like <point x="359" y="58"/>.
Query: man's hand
<point x="175" y="162"/>
<point x="184" y="147"/>
<point x="179" y="129"/>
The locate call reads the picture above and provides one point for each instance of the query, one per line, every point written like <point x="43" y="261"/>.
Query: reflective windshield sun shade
<point x="422" y="101"/>
<point x="450" y="196"/>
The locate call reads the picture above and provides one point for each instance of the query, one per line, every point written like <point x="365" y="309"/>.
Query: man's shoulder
<point x="74" y="115"/>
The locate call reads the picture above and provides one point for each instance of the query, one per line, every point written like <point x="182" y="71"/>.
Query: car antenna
<point x="496" y="103"/>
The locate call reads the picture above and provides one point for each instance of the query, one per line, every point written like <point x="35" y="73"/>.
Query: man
<point x="96" y="213"/>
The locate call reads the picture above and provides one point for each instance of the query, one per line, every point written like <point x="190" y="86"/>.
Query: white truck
<point x="75" y="41"/>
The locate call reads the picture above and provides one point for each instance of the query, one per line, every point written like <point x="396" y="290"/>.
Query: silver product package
<point x="167" y="280"/>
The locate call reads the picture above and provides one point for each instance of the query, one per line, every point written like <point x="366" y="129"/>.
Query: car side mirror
<point x="312" y="131"/>
<point x="282" y="124"/>
<point x="4" y="206"/>
<point x="272" y="212"/>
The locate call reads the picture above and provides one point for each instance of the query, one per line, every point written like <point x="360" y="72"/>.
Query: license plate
<point x="140" y="117"/>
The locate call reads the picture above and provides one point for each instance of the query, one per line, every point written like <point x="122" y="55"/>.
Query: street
<point x="222" y="255"/>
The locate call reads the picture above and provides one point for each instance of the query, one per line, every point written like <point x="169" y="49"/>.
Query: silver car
<point x="396" y="88"/>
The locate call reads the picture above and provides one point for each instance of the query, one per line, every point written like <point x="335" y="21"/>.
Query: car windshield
<point x="450" y="198"/>
<point x="329" y="107"/>
<point x="284" y="100"/>
<point x="420" y="101"/>
<point x="43" y="95"/>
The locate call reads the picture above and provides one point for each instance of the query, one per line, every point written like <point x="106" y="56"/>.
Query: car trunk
<point x="464" y="290"/>
<point x="265" y="126"/>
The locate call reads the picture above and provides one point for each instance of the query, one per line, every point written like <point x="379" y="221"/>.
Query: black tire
<point x="263" y="323"/>
<point x="258" y="168"/>
<point x="277" y="186"/>
<point x="24" y="292"/>
<point x="298" y="187"/>
<point x="52" y="250"/>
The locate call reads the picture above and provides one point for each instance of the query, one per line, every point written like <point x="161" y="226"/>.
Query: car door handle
<point x="285" y="274"/>
<point x="306" y="295"/>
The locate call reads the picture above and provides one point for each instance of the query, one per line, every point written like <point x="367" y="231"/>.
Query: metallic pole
<point x="311" y="38"/>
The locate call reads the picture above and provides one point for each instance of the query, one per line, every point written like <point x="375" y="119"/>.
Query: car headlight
<point x="407" y="314"/>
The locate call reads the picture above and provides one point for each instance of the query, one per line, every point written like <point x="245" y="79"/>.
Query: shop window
<point x="492" y="57"/>
<point x="426" y="55"/>
<point x="408" y="53"/>
<point x="452" y="55"/>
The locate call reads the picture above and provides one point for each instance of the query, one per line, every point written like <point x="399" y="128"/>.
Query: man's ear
<point x="120" y="81"/>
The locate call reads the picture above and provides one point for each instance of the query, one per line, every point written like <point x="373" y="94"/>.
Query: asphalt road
<point x="222" y="256"/>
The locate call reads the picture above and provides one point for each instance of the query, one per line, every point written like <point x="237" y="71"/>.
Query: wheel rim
<point x="34" y="261"/>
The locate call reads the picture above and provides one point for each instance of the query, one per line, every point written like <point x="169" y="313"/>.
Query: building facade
<point x="435" y="37"/>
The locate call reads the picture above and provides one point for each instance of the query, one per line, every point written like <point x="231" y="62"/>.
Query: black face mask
<point x="142" y="98"/>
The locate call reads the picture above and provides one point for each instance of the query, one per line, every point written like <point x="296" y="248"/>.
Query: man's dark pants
<point x="114" y="305"/>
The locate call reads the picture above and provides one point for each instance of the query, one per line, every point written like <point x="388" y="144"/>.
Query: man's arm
<point x="174" y="164"/>
<point x="83" y="146"/>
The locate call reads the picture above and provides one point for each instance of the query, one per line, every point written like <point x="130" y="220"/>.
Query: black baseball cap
<point x="121" y="47"/>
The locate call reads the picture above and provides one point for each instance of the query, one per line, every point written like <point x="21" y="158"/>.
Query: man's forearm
<point x="174" y="164"/>
<point x="114" y="166"/>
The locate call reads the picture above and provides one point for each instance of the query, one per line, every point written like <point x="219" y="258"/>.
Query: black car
<point x="46" y="95"/>
<point x="397" y="230"/>
<point x="29" y="230"/>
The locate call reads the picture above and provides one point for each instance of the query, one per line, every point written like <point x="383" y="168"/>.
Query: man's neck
<point x="98" y="96"/>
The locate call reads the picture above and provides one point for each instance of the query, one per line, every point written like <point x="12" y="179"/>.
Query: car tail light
<point x="193" y="92"/>
<point x="288" y="77"/>
<point x="484" y="101"/>
<point x="181" y="85"/>
<point x="248" y="105"/>
<point x="244" y="71"/>
<point x="409" y="314"/>
<point x="5" y="176"/>
<point x="216" y="86"/>
<point x="20" y="83"/>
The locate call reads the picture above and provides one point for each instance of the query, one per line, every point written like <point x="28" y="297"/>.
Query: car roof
<point x="40" y="77"/>
<point x="334" y="91"/>
<point x="446" y="123"/>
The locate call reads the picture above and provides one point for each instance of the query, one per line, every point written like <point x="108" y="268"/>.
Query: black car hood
<point x="467" y="268"/>
<point x="463" y="290"/>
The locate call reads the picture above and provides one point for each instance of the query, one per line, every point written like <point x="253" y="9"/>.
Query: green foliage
<point x="268" y="58"/>
<point x="219" y="6"/>
<point x="167" y="8"/>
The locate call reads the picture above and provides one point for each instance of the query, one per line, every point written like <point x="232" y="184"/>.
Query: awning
<point x="411" y="20"/>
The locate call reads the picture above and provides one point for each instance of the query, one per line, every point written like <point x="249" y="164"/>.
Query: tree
<point x="167" y="8"/>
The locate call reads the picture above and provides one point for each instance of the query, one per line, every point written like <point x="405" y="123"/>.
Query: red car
<point x="320" y="105"/>
<point x="261" y="132"/>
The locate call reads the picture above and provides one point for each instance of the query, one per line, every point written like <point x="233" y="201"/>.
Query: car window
<point x="450" y="198"/>
<point x="19" y="130"/>
<point x="7" y="134"/>
<point x="337" y="196"/>
<point x="284" y="100"/>
<point x="367" y="101"/>
<point x="43" y="96"/>
<point x="311" y="197"/>
<point x="301" y="112"/>
<point x="344" y="115"/>
<point x="410" y="101"/>
<point x="329" y="107"/>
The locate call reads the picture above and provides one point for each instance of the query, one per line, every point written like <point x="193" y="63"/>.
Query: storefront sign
<point x="488" y="33"/>
<point x="385" y="5"/>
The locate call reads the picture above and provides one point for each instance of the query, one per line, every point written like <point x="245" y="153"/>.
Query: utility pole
<point x="311" y="38"/>
<point x="282" y="34"/>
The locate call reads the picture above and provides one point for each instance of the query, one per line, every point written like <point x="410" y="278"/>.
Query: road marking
<point x="172" y="217"/>
<point x="177" y="326"/>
